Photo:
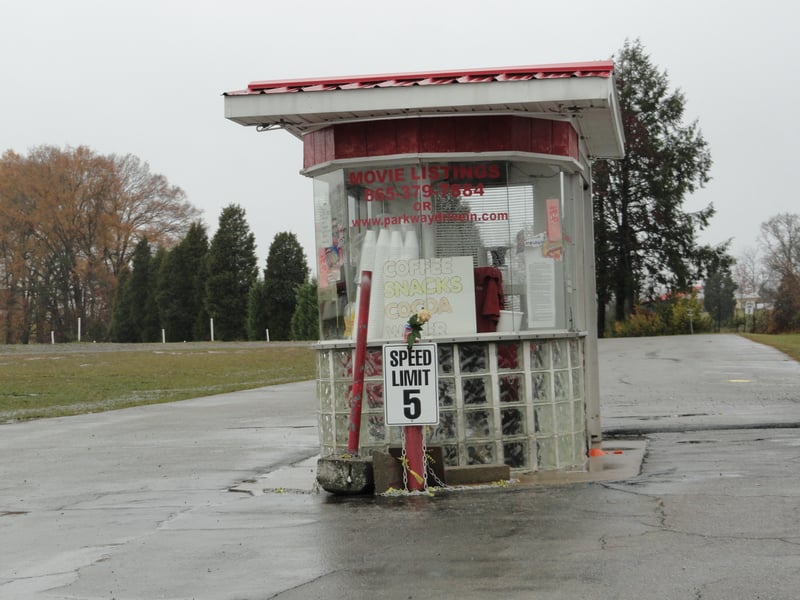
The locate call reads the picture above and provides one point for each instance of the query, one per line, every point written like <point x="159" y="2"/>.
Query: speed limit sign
<point x="410" y="384"/>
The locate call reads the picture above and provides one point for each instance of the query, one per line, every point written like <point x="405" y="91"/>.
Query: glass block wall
<point x="511" y="401"/>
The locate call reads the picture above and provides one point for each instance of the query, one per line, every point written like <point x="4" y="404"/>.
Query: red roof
<point x="522" y="73"/>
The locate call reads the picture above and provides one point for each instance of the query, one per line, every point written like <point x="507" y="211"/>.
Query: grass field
<point x="69" y="379"/>
<point x="788" y="343"/>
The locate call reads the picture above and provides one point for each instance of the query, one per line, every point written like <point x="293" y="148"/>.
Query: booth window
<point x="485" y="246"/>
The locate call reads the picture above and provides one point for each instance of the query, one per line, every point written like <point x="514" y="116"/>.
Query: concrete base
<point x="476" y="474"/>
<point x="388" y="472"/>
<point x="620" y="460"/>
<point x="352" y="475"/>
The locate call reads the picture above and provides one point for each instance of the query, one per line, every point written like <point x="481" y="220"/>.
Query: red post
<point x="415" y="455"/>
<point x="415" y="449"/>
<point x="357" y="393"/>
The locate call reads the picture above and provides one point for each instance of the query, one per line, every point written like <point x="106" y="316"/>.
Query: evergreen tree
<point x="151" y="331"/>
<point x="144" y="314"/>
<point x="172" y="291"/>
<point x="180" y="288"/>
<point x="257" y="312"/>
<point x="785" y="315"/>
<point x="719" y="299"/>
<point x="645" y="244"/>
<point x="197" y="248"/>
<point x="286" y="270"/>
<point x="122" y="326"/>
<point x="135" y="315"/>
<point x="232" y="270"/>
<point x="305" y="320"/>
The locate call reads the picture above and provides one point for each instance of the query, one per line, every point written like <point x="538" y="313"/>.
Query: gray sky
<point x="146" y="78"/>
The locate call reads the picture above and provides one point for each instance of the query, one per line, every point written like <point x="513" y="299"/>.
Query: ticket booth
<point x="466" y="193"/>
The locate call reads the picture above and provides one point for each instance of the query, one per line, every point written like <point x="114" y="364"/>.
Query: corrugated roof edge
<point x="580" y="69"/>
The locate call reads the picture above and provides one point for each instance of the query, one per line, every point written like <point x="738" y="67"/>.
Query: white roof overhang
<point x="590" y="103"/>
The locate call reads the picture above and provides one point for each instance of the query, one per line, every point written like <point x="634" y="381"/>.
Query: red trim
<point x="602" y="68"/>
<point x="503" y="133"/>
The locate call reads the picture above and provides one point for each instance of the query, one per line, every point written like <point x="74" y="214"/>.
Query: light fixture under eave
<point x="269" y="126"/>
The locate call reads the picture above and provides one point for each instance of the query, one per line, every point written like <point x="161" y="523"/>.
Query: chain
<point x="423" y="478"/>
<point x="404" y="461"/>
<point x="425" y="458"/>
<point x="428" y="471"/>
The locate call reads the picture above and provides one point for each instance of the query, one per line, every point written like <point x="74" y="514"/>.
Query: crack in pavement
<point x="58" y="571"/>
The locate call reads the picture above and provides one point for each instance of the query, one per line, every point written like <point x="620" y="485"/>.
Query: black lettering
<point x="412" y="405"/>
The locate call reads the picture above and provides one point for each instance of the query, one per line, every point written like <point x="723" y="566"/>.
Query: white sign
<point x="749" y="307"/>
<point x="410" y="384"/>
<point x="541" y="273"/>
<point x="443" y="286"/>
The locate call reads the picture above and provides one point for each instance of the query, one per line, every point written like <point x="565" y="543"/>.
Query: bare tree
<point x="780" y="250"/>
<point x="780" y="241"/>
<point x="143" y="205"/>
<point x="749" y="273"/>
<point x="69" y="222"/>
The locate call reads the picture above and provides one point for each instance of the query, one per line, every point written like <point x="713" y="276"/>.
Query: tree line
<point x="101" y="243"/>
<point x="202" y="288"/>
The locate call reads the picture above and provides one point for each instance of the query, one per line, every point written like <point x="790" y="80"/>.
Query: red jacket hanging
<point x="489" y="298"/>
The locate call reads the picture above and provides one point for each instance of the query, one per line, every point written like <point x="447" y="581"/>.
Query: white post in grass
<point x="212" y="328"/>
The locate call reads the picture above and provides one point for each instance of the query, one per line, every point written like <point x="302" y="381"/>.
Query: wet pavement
<point x="137" y="503"/>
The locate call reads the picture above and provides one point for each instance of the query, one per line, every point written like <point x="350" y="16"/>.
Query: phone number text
<point x="408" y="192"/>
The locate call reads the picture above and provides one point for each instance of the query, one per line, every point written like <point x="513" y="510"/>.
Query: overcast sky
<point x="147" y="78"/>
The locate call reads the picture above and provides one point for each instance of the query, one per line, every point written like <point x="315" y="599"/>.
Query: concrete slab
<point x="300" y="477"/>
<point x="622" y="459"/>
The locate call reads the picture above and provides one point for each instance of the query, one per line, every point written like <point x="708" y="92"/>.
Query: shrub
<point x="641" y="323"/>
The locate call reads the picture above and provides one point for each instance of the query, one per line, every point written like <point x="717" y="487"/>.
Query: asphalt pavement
<point x="138" y="503"/>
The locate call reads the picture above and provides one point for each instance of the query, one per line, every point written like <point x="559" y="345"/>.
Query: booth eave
<point x="590" y="102"/>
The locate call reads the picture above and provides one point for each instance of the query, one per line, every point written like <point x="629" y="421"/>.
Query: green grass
<point x="788" y="343"/>
<point x="69" y="379"/>
<point x="60" y="380"/>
